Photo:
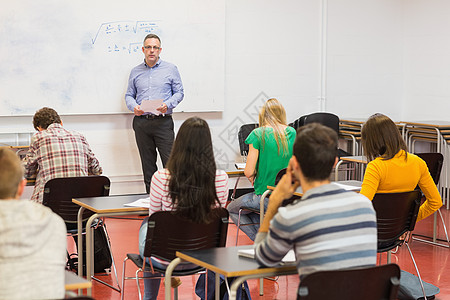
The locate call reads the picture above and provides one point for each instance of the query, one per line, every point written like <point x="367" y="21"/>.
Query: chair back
<point x="168" y="233"/>
<point x="298" y="122"/>
<point x="277" y="179"/>
<point x="279" y="175"/>
<point x="371" y="283"/>
<point x="58" y="194"/>
<point x="434" y="163"/>
<point x="243" y="133"/>
<point x="396" y="215"/>
<point x="327" y="119"/>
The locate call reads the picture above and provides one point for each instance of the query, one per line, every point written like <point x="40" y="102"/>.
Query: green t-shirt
<point x="270" y="162"/>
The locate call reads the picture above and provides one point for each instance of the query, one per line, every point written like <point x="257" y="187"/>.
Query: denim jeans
<point x="151" y="286"/>
<point x="247" y="217"/>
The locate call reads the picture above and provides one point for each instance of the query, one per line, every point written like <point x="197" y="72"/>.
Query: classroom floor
<point x="433" y="262"/>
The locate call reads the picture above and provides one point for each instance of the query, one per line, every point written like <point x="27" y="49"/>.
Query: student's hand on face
<point x="286" y="186"/>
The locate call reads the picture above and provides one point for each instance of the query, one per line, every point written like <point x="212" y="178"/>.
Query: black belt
<point x="149" y="116"/>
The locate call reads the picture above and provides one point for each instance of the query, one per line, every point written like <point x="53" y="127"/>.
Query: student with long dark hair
<point x="391" y="169"/>
<point x="190" y="185"/>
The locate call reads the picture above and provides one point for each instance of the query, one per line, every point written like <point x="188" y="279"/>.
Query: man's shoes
<point x="175" y="282"/>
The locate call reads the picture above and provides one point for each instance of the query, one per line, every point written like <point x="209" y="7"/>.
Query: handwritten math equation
<point x="121" y="36"/>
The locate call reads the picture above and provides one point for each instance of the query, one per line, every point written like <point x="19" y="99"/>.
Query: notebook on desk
<point x="240" y="166"/>
<point x="250" y="253"/>
<point x="143" y="202"/>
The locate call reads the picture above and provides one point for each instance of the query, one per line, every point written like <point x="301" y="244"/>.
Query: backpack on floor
<point x="102" y="252"/>
<point x="410" y="288"/>
<point x="242" y="293"/>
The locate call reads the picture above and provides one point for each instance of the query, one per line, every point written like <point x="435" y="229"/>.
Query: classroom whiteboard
<point x="76" y="56"/>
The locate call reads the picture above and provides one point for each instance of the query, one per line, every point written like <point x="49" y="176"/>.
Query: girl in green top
<point x="270" y="148"/>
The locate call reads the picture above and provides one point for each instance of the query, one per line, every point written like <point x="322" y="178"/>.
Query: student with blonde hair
<point x="270" y="148"/>
<point x="391" y="169"/>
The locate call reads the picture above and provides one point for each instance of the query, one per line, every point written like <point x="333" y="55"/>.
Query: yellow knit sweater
<point x="399" y="175"/>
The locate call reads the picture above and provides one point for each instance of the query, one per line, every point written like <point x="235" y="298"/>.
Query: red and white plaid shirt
<point x="57" y="152"/>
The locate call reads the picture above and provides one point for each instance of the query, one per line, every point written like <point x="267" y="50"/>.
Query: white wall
<point x="365" y="46"/>
<point x="383" y="56"/>
<point x="427" y="60"/>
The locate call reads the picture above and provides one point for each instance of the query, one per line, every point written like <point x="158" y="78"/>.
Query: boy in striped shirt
<point x="328" y="228"/>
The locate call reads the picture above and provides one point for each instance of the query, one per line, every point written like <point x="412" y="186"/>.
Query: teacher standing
<point x="154" y="79"/>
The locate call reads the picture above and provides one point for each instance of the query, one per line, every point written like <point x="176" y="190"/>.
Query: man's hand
<point x="284" y="190"/>
<point x="138" y="111"/>
<point x="162" y="108"/>
<point x="285" y="187"/>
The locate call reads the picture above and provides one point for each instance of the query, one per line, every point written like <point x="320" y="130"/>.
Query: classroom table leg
<point x="217" y="291"/>
<point x="168" y="280"/>
<point x="80" y="244"/>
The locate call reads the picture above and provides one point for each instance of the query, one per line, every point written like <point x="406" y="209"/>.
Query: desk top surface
<point x="356" y="158"/>
<point x="230" y="168"/>
<point x="352" y="185"/>
<point x="107" y="204"/>
<point x="73" y="282"/>
<point x="434" y="124"/>
<point x="227" y="262"/>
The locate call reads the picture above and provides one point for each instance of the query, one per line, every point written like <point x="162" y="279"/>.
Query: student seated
<point x="32" y="240"/>
<point x="270" y="148"/>
<point x="56" y="152"/>
<point x="190" y="185"/>
<point x="391" y="169"/>
<point x="329" y="228"/>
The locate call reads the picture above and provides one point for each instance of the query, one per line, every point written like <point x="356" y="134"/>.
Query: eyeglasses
<point x="155" y="48"/>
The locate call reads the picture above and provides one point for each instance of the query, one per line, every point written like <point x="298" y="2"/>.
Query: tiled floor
<point x="433" y="263"/>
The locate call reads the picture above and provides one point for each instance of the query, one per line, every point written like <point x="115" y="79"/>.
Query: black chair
<point x="243" y="133"/>
<point x="58" y="194"/>
<point x="396" y="216"/>
<point x="298" y="122"/>
<point x="327" y="119"/>
<point x="434" y="161"/>
<point x="370" y="283"/>
<point x="168" y="233"/>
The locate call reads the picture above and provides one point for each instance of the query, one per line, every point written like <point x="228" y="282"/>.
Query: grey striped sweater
<point x="329" y="228"/>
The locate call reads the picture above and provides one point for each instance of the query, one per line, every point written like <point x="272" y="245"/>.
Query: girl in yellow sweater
<point x="391" y="168"/>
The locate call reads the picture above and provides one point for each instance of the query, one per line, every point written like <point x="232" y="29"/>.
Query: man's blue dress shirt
<point x="162" y="81"/>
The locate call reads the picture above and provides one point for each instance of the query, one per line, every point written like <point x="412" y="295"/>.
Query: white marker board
<point x="76" y="56"/>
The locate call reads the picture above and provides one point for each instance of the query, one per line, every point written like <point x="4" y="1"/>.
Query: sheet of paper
<point x="240" y="166"/>
<point x="144" y="202"/>
<point x="348" y="187"/>
<point x="151" y="106"/>
<point x="250" y="253"/>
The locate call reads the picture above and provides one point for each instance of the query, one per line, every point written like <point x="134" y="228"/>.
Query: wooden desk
<point x="353" y="185"/>
<point x="230" y="169"/>
<point x="355" y="159"/>
<point x="105" y="206"/>
<point x="431" y="124"/>
<point x="441" y="138"/>
<point x="74" y="282"/>
<point x="226" y="261"/>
